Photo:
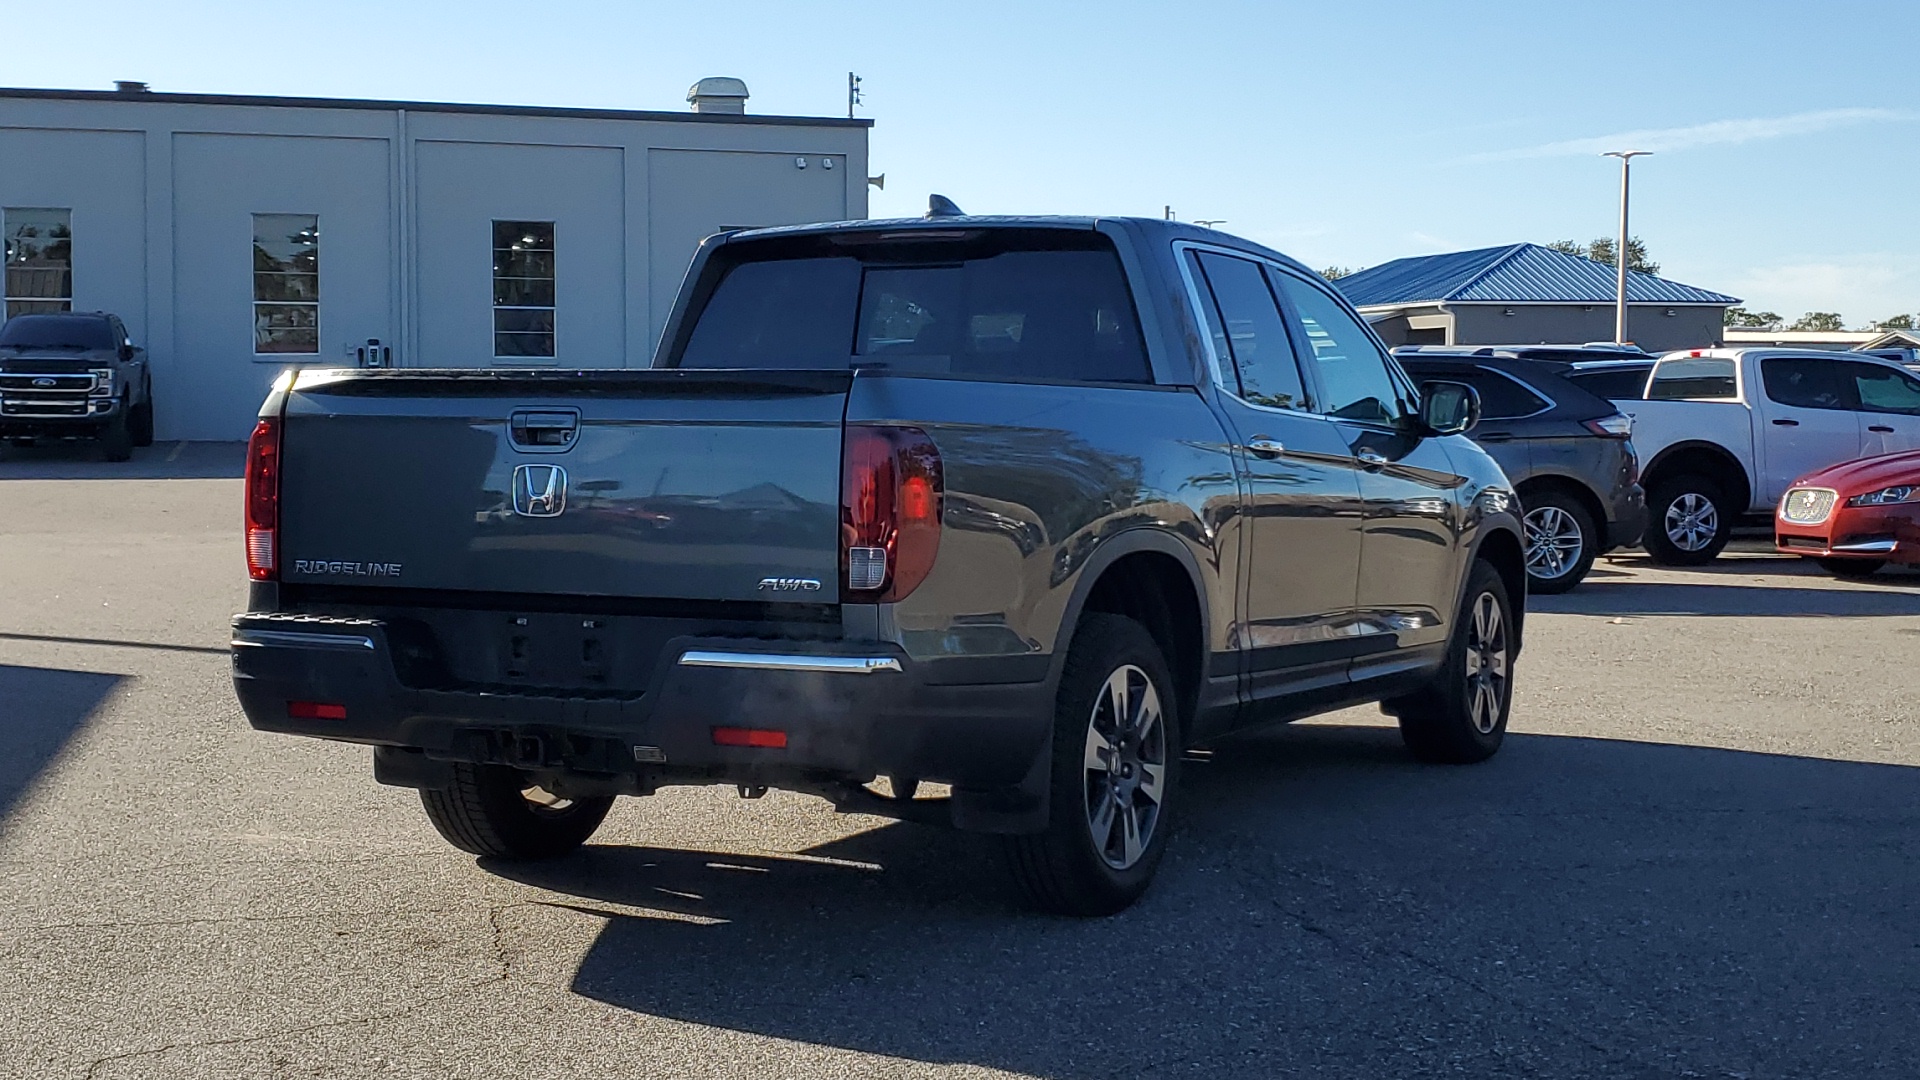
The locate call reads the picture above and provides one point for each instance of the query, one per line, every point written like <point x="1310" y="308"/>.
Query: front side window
<point x="39" y="259"/>
<point x="1000" y="306"/>
<point x="286" y="284"/>
<point x="1806" y="383"/>
<point x="1353" y="371"/>
<point x="1250" y="322"/>
<point x="523" y="289"/>
<point x="1885" y="390"/>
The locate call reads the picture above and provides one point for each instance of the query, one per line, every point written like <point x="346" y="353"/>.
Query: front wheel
<point x="1115" y="755"/>
<point x="1852" y="568"/>
<point x="1461" y="716"/>
<point x="116" y="440"/>
<point x="1689" y="521"/>
<point x="497" y="811"/>
<point x="140" y="425"/>
<point x="1560" y="541"/>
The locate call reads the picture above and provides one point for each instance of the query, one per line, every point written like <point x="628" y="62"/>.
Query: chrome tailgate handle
<point x="548" y="431"/>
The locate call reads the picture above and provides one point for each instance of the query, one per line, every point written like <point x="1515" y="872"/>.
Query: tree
<point x="1601" y="251"/>
<point x="1898" y="322"/>
<point x="1819" y="321"/>
<point x="1752" y="320"/>
<point x="1335" y="273"/>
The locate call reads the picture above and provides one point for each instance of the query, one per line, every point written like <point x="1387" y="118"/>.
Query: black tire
<point x="140" y="421"/>
<point x="1554" y="520"/>
<point x="116" y="439"/>
<point x="1852" y="568"/>
<point x="1066" y="870"/>
<point x="485" y="813"/>
<point x="1679" y="508"/>
<point x="1450" y="720"/>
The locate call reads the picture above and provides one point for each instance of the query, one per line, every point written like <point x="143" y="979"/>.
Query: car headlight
<point x="102" y="382"/>
<point x="1885" y="496"/>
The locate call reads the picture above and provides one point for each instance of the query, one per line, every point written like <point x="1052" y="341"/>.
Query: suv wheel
<point x="497" y="811"/>
<point x="1461" y="716"/>
<point x="1560" y="541"/>
<point x="1115" y="757"/>
<point x="1689" y="521"/>
<point x="116" y="439"/>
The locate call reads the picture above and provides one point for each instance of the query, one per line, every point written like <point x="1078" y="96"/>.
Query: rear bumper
<point x="846" y="712"/>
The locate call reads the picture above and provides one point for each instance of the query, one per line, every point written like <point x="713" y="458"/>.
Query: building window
<point x="39" y="259"/>
<point x="522" y="289"/>
<point x="286" y="284"/>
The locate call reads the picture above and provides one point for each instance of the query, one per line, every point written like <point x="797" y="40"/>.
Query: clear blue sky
<point x="1349" y="133"/>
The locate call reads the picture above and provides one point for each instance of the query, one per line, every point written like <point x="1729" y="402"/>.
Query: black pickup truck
<point x="1023" y="507"/>
<point x="75" y="376"/>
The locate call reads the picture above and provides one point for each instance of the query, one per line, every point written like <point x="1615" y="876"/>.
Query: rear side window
<point x="1709" y="377"/>
<point x="1501" y="398"/>
<point x="1807" y="384"/>
<point x="1058" y="315"/>
<point x="71" y="332"/>
<point x="1615" y="383"/>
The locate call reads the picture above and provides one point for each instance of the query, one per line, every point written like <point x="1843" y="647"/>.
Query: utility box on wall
<point x="237" y="236"/>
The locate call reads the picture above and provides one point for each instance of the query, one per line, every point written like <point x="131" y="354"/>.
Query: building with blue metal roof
<point x="1528" y="294"/>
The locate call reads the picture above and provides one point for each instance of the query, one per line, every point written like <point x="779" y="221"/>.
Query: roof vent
<point x="128" y="86"/>
<point x="718" y="95"/>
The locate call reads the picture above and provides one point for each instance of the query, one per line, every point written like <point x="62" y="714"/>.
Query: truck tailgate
<point x="692" y="485"/>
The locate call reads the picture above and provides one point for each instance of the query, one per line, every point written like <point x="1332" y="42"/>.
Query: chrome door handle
<point x="1370" y="459"/>
<point x="1261" y="446"/>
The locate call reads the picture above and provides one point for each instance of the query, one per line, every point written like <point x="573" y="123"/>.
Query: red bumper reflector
<point x="316" y="710"/>
<point x="741" y="736"/>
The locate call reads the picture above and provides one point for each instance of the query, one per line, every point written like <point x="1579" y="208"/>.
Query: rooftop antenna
<point x="1169" y="212"/>
<point x="853" y="93"/>
<point x="939" y="206"/>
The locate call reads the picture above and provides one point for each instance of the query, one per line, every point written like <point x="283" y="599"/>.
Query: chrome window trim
<point x="838" y="665"/>
<point x="1196" y="308"/>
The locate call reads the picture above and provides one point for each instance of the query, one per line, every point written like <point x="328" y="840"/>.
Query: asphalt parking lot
<point x="1696" y="857"/>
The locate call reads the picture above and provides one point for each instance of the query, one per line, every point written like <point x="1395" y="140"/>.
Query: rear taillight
<point x="1617" y="426"/>
<point x="263" y="501"/>
<point x="890" y="493"/>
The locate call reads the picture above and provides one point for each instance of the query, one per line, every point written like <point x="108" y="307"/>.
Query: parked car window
<point x="1806" y="383"/>
<point x="1886" y="390"/>
<point x="1688" y="377"/>
<point x="1062" y="314"/>
<point x="1612" y="382"/>
<point x="1501" y="398"/>
<point x="75" y="332"/>
<point x="1353" y="370"/>
<point x="1259" y="347"/>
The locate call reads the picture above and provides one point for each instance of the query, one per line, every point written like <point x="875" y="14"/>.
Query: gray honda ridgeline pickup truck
<point x="1020" y="506"/>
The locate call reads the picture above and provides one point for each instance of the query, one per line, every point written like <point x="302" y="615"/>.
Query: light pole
<point x="1620" y="249"/>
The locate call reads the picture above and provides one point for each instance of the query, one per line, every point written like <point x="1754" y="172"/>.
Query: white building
<point x="238" y="235"/>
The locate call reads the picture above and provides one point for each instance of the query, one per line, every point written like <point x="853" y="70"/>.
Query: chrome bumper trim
<point x="298" y="639"/>
<point x="841" y="665"/>
<point x="1870" y="547"/>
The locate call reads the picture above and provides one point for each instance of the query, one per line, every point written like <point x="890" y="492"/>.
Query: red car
<point x="1854" y="517"/>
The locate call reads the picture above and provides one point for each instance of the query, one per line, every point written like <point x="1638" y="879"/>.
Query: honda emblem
<point x="539" y="490"/>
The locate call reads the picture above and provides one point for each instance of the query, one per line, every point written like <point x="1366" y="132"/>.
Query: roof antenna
<point x="939" y="206"/>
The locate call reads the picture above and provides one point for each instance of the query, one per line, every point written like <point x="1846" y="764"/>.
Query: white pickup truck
<point x="1724" y="432"/>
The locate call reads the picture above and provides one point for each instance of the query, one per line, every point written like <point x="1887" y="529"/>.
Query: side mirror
<point x="126" y="351"/>
<point x="1449" y="408"/>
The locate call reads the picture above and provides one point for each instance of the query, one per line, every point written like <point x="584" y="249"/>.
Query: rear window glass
<point x="1693" y="377"/>
<point x="1040" y="314"/>
<point x="1616" y="383"/>
<point x="57" y="332"/>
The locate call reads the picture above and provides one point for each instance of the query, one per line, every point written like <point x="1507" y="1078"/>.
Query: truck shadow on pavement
<point x="1574" y="907"/>
<point x="1886" y="594"/>
<point x="40" y="709"/>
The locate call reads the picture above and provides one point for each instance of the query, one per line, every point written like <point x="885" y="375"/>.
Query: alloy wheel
<point x="1692" y="521"/>
<point x="1486" y="664"/>
<point x="1554" y="542"/>
<point x="1126" y="767"/>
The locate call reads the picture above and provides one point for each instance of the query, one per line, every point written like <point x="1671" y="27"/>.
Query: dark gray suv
<point x="1568" y="452"/>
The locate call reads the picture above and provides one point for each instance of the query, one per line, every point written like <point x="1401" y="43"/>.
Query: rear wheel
<point x="1115" y="756"/>
<point x="497" y="811"/>
<point x="1461" y="716"/>
<point x="1560" y="541"/>
<point x="1689" y="521"/>
<point x="1852" y="568"/>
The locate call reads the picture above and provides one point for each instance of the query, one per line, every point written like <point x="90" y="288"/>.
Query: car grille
<point x="1808" y="506"/>
<point x="28" y="395"/>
